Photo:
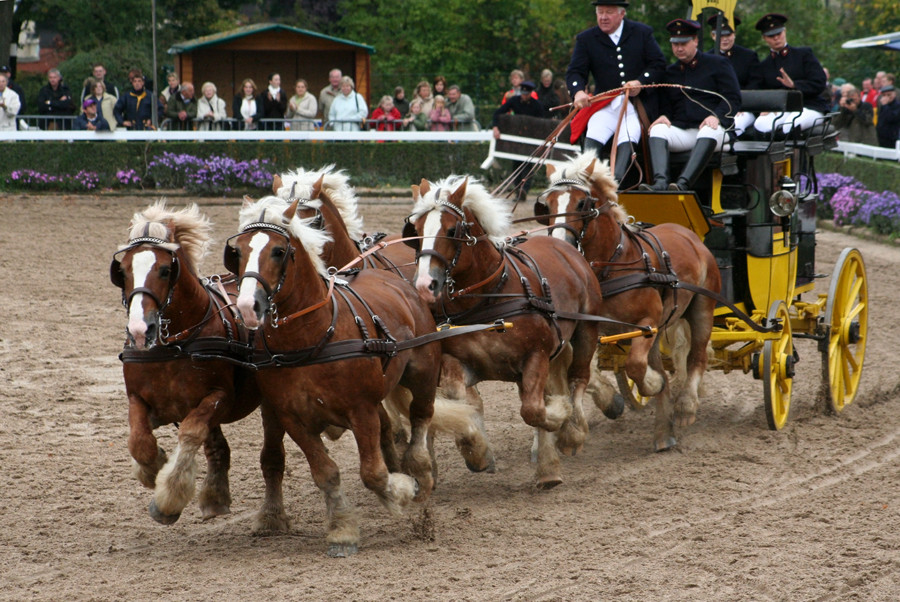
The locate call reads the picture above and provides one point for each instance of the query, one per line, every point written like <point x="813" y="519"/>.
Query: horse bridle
<point x="590" y="210"/>
<point x="462" y="235"/>
<point x="117" y="277"/>
<point x="231" y="257"/>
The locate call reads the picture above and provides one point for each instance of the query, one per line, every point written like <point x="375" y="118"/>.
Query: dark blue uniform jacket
<point x="637" y="57"/>
<point x="804" y="68"/>
<point x="746" y="66"/>
<point x="705" y="72"/>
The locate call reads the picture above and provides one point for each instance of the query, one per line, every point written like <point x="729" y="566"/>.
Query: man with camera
<point x="855" y="119"/>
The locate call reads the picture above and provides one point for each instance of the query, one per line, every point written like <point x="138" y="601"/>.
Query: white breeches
<point x="804" y="120"/>
<point x="684" y="140"/>
<point x="742" y="121"/>
<point x="602" y="124"/>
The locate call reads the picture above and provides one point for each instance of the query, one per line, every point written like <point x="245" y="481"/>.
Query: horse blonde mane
<point x="187" y="227"/>
<point x="600" y="180"/>
<point x="493" y="214"/>
<point x="335" y="185"/>
<point x="270" y="210"/>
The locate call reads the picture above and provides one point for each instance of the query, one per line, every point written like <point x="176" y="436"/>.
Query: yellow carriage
<point x="755" y="209"/>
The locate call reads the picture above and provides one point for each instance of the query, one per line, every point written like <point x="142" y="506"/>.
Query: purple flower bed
<point x="206" y="176"/>
<point x="848" y="201"/>
<point x="36" y="180"/>
<point x="212" y="175"/>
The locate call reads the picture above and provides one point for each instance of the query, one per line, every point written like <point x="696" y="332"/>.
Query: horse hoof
<point x="547" y="483"/>
<point x="486" y="466"/>
<point x="685" y="420"/>
<point x="616" y="409"/>
<point x="271" y="523"/>
<point x="342" y="550"/>
<point x="666" y="444"/>
<point x="160" y="517"/>
<point x="569" y="450"/>
<point x="212" y="512"/>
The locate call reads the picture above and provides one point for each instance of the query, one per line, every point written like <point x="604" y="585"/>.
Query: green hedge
<point x="876" y="175"/>
<point x="368" y="163"/>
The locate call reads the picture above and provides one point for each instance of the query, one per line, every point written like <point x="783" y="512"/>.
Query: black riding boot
<point x="594" y="145"/>
<point x="703" y="151"/>
<point x="659" y="163"/>
<point x="623" y="161"/>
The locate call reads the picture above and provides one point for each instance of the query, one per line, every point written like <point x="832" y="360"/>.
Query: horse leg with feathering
<point x="469" y="274"/>
<point x="638" y="270"/>
<point x="169" y="311"/>
<point x="329" y="354"/>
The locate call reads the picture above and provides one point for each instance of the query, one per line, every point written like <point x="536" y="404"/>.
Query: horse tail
<point x="458" y="418"/>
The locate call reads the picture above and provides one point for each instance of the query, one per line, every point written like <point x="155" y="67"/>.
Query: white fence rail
<point x="292" y="135"/>
<point x="851" y="149"/>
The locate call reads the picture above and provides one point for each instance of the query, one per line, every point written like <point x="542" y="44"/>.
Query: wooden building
<point x="255" y="51"/>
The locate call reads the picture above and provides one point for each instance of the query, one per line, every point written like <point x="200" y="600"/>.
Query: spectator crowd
<point x="869" y="113"/>
<point x="100" y="105"/>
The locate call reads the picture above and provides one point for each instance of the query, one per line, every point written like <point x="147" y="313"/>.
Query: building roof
<point x="240" y="32"/>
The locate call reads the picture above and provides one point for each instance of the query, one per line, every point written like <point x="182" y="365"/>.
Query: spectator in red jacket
<point x="386" y="115"/>
<point x="869" y="92"/>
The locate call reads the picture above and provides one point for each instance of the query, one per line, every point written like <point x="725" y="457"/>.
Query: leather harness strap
<point x="615" y="141"/>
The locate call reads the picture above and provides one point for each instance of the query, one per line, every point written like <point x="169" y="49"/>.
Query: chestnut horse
<point x="337" y="351"/>
<point x="469" y="273"/>
<point x="581" y="203"/>
<point x="327" y="198"/>
<point x="169" y="310"/>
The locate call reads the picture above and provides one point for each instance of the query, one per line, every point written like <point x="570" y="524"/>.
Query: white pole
<point x="154" y="102"/>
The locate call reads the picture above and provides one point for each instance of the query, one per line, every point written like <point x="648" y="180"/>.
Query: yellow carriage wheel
<point x="628" y="389"/>
<point x="778" y="369"/>
<point x="846" y="326"/>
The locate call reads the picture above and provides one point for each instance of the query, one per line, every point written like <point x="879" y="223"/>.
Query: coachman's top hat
<point x="682" y="30"/>
<point x="771" y="24"/>
<point x="726" y="26"/>
<point x="621" y="3"/>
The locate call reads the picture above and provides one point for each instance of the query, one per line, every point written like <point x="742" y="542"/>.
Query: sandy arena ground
<point x="737" y="512"/>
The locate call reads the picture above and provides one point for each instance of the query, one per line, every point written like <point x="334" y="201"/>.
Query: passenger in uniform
<point x="618" y="53"/>
<point x="692" y="119"/>
<point x="790" y="68"/>
<point x="745" y="63"/>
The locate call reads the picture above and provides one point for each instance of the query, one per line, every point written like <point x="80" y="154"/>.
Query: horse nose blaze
<point x="141" y="265"/>
<point x="248" y="302"/>
<point x="563" y="202"/>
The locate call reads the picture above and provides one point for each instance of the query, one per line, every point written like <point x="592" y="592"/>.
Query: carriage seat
<point x="767" y="101"/>
<point x="822" y="136"/>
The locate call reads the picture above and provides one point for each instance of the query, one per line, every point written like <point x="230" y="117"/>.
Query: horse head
<point x="327" y="195"/>
<point x="154" y="268"/>
<point x="451" y="220"/>
<point x="271" y="234"/>
<point x="580" y="190"/>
